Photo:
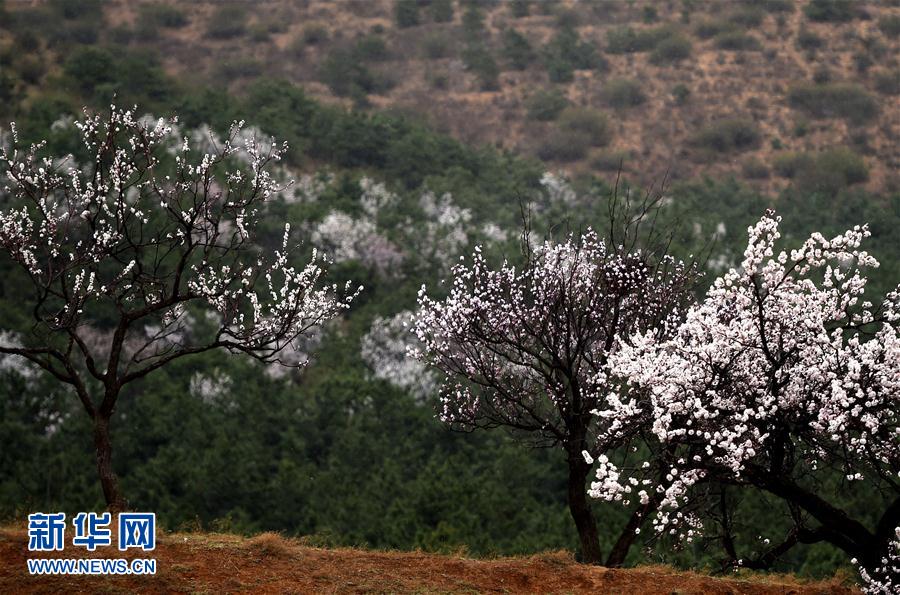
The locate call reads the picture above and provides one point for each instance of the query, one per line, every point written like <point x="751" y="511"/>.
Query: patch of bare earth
<point x="269" y="563"/>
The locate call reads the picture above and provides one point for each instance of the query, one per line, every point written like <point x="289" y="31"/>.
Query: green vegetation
<point x="228" y="21"/>
<point x="315" y="34"/>
<point x="834" y="11"/>
<point x="565" y="146"/>
<point x="623" y="93"/>
<point x="566" y="53"/>
<point x="594" y="124"/>
<point x="890" y="26"/>
<point x="736" y="41"/>
<point x="546" y="104"/>
<point x="834" y="100"/>
<point x="517" y="52"/>
<point x="827" y="172"/>
<point x="728" y="135"/>
<point x="681" y="93"/>
<point x="437" y="45"/>
<point x="163" y="15"/>
<point x="479" y="60"/>
<point x="406" y="13"/>
<point x="626" y="40"/>
<point x="888" y="82"/>
<point x="671" y="50"/>
<point x="441" y="10"/>
<point x="707" y="29"/>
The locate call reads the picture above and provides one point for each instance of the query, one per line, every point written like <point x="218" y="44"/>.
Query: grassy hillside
<point x="691" y="86"/>
<point x="268" y="563"/>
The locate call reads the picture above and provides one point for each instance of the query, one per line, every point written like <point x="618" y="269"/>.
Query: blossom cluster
<point x="385" y="349"/>
<point x="153" y="223"/>
<point x="784" y="350"/>
<point x="526" y="346"/>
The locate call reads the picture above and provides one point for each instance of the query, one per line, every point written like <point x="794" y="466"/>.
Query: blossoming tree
<point x="782" y="377"/>
<point x="525" y="348"/>
<point x="140" y="238"/>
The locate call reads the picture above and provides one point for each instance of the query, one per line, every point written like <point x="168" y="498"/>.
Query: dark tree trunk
<point x="580" y="508"/>
<point x="629" y="534"/>
<point x="108" y="479"/>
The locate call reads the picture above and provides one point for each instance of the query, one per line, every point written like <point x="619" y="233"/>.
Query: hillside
<point x="268" y="563"/>
<point x="694" y="87"/>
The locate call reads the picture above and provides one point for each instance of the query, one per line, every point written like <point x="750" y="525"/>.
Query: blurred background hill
<point x="743" y="89"/>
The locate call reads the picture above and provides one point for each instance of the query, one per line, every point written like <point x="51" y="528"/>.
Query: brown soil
<point x="269" y="563"/>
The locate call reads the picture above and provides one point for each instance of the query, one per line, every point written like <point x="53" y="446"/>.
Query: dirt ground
<point x="269" y="563"/>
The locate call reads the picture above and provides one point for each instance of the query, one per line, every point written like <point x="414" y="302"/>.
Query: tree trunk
<point x="629" y="534"/>
<point x="108" y="479"/>
<point x="580" y="508"/>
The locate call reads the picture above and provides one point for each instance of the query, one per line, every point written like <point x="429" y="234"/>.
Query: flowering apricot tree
<point x="138" y="239"/>
<point x="784" y="375"/>
<point x="525" y="347"/>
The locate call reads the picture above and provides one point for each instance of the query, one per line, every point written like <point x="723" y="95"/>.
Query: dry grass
<point x="271" y="563"/>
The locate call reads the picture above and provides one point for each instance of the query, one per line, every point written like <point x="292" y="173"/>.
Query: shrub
<point x="259" y="33"/>
<point x="842" y="100"/>
<point x="890" y="26"/>
<point x="755" y="169"/>
<point x="671" y="50"/>
<point x="628" y="40"/>
<point x="736" y="41"/>
<point x="315" y="34"/>
<point x="27" y="41"/>
<point x="776" y="5"/>
<point x="862" y="61"/>
<point x="567" y="19"/>
<point x="520" y="8"/>
<point x="591" y="122"/>
<point x="436" y="45"/>
<point x="888" y="82"/>
<point x="7" y="85"/>
<point x="473" y="23"/>
<point x="76" y="32"/>
<point x="406" y="13"/>
<point x="829" y="171"/>
<point x="833" y="11"/>
<point x="517" y="52"/>
<point x="236" y="67"/>
<point x="478" y="59"/>
<point x="372" y="48"/>
<point x="566" y="52"/>
<point x="747" y="16"/>
<point x="442" y="11"/>
<point x="89" y="67"/>
<point x="77" y="9"/>
<point x="31" y="68"/>
<point x="728" y="135"/>
<point x="347" y="76"/>
<point x="438" y="80"/>
<point x="821" y="75"/>
<point x="623" y="93"/>
<point x="163" y="15"/>
<point x="787" y="164"/>
<point x="564" y="146"/>
<point x="227" y="22"/>
<point x="711" y="28"/>
<point x="546" y="105"/>
<point x="681" y="93"/>
<point x="611" y="160"/>
<point x="807" y="40"/>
